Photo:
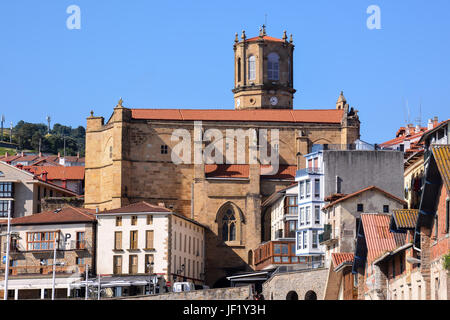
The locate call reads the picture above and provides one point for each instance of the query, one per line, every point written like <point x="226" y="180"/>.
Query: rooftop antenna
<point x="10" y="133"/>
<point x="409" y="113"/>
<point x="419" y="118"/>
<point x="3" y="120"/>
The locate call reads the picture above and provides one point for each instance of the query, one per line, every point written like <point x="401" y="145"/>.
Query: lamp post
<point x="86" y="287"/>
<point x="179" y="271"/>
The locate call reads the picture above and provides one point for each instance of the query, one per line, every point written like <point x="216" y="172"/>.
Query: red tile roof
<point x="226" y="170"/>
<point x="59" y="172"/>
<point x="378" y="237"/>
<point x="361" y="191"/>
<point x="66" y="215"/>
<point x="340" y="258"/>
<point x="284" y="172"/>
<point x="267" y="38"/>
<point x="263" y="115"/>
<point x="137" y="207"/>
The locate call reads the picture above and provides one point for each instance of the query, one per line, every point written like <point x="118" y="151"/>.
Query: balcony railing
<point x="328" y="234"/>
<point x="78" y="245"/>
<point x="43" y="270"/>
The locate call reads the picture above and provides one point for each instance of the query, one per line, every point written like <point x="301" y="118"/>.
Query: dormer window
<point x="273" y="66"/>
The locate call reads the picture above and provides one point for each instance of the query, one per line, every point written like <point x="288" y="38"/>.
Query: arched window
<point x="239" y="69"/>
<point x="251" y="68"/>
<point x="229" y="226"/>
<point x="273" y="66"/>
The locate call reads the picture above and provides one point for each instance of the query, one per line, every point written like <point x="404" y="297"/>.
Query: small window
<point x="164" y="149"/>
<point x="251" y="68"/>
<point x="386" y="208"/>
<point x="118" y="221"/>
<point x="273" y="66"/>
<point x="133" y="220"/>
<point x="447" y="217"/>
<point x="150" y="219"/>
<point x="360" y="207"/>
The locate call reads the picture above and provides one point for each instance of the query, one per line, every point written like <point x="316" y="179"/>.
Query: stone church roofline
<point x="262" y="115"/>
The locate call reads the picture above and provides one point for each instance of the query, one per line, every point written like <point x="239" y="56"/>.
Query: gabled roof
<point x="341" y="258"/>
<point x="262" y="115"/>
<point x="371" y="188"/>
<point x="441" y="154"/>
<point x="377" y="235"/>
<point x="65" y="215"/>
<point x="276" y="195"/>
<point x="431" y="131"/>
<point x="403" y="219"/>
<point x="138" y="207"/>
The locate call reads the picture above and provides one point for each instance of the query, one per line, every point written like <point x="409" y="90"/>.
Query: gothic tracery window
<point x="229" y="226"/>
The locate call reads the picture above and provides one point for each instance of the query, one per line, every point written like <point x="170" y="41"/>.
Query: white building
<point x="141" y="240"/>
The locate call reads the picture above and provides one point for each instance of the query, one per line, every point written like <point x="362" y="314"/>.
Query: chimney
<point x="59" y="155"/>
<point x="430" y="124"/>
<point x="417" y="129"/>
<point x="78" y="155"/>
<point x="6" y="154"/>
<point x="435" y="122"/>
<point x="161" y="204"/>
<point x="22" y="154"/>
<point x="20" y="166"/>
<point x="44" y="175"/>
<point x="40" y="154"/>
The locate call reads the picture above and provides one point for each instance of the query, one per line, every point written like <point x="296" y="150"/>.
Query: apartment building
<point x="141" y="242"/>
<point x="34" y="238"/>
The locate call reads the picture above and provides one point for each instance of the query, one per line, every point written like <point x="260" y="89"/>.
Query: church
<point x="128" y="157"/>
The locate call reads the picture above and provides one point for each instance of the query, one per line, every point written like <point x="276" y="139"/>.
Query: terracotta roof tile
<point x="136" y="208"/>
<point x="267" y="38"/>
<point x="340" y="258"/>
<point x="59" y="172"/>
<point x="378" y="237"/>
<point x="284" y="172"/>
<point x="264" y="115"/>
<point x="227" y="170"/>
<point x="404" y="218"/>
<point x="66" y="215"/>
<point x="441" y="154"/>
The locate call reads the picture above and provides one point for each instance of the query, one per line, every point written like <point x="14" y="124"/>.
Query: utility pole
<point x="99" y="287"/>
<point x="54" y="266"/>
<point x="8" y="234"/>
<point x="48" y="121"/>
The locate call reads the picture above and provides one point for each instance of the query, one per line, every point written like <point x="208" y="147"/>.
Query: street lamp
<point x="179" y="271"/>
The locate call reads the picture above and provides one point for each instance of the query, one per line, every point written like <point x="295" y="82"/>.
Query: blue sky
<point x="179" y="54"/>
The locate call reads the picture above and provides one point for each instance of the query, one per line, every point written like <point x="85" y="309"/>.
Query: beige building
<point x="25" y="191"/>
<point x="142" y="240"/>
<point x="32" y="245"/>
<point x="128" y="157"/>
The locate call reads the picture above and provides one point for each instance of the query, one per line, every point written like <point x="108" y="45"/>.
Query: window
<point x="149" y="239"/>
<point x="133" y="220"/>
<point x="110" y="152"/>
<point x="386" y="208"/>
<point x="6" y="189"/>
<point x="80" y="261"/>
<point x="133" y="266"/>
<point x="117" y="264"/>
<point x="393" y="267"/>
<point x="314" y="239"/>
<point x="251" y="68"/>
<point x="302" y="189"/>
<point x="148" y="263"/>
<point x="299" y="240"/>
<point x="229" y="226"/>
<point x="277" y="249"/>
<point x="402" y="266"/>
<point x="185" y="241"/>
<point x="164" y="149"/>
<point x="273" y="66"/>
<point x="150" y="219"/>
<point x="308" y="215"/>
<point x="81" y="240"/>
<point x="291" y="226"/>
<point x="189" y="250"/>
<point x="290" y="206"/>
<point x="308" y="188"/>
<point x="317" y="214"/>
<point x="41" y="240"/>
<point x="4" y="205"/>
<point x="305" y="240"/>
<point x="284" y="249"/>
<point x="118" y="221"/>
<point x="133" y="240"/>
<point x="360" y="207"/>
<point x="118" y="240"/>
<point x="239" y="69"/>
<point x="302" y="216"/>
<point x="174" y="241"/>
<point x="317" y="188"/>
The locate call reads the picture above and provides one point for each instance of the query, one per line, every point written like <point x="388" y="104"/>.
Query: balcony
<point x="275" y="253"/>
<point x="308" y="171"/>
<point x="43" y="270"/>
<point x="328" y="237"/>
<point x="78" y="245"/>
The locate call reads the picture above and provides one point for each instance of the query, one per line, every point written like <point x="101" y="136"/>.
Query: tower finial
<point x="264" y="30"/>
<point x="243" y="35"/>
<point x="92" y="113"/>
<point x="290" y="38"/>
<point x="119" y="104"/>
<point x="236" y="39"/>
<point x="284" y="36"/>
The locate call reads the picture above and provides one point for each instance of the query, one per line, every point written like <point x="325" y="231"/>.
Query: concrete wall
<point x="238" y="293"/>
<point x="278" y="287"/>
<point x="383" y="169"/>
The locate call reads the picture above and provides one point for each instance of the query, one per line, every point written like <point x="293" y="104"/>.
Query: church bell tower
<point x="263" y="72"/>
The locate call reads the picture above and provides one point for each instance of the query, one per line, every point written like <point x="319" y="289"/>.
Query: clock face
<point x="238" y="102"/>
<point x="273" y="101"/>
